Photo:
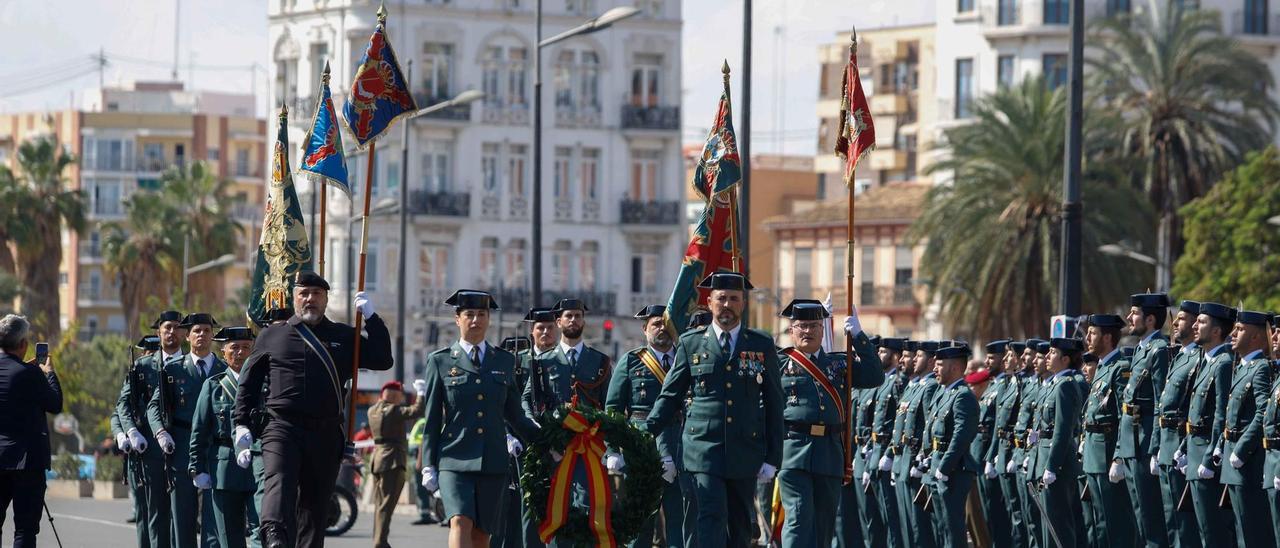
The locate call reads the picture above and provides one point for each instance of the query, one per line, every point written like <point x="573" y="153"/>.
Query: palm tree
<point x="143" y="253"/>
<point x="1190" y="101"/>
<point x="43" y="196"/>
<point x="994" y="234"/>
<point x="203" y="206"/>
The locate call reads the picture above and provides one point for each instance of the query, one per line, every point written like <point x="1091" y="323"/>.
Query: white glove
<point x="1118" y="472"/>
<point x="420" y="387"/>
<point x="940" y="476"/>
<point x="1180" y="460"/>
<point x="429" y="479"/>
<point x="1048" y="478"/>
<point x="668" y="470"/>
<point x="989" y="471"/>
<point x="614" y="461"/>
<point x="1033" y="437"/>
<point x="514" y="447"/>
<point x="915" y="473"/>
<point x="1155" y="467"/>
<point x="1235" y="461"/>
<point x="1217" y="452"/>
<point x="866" y="479"/>
<point x="556" y="456"/>
<point x="1275" y="482"/>
<point x="1204" y="472"/>
<point x="244" y="458"/>
<point x="1026" y="463"/>
<point x="203" y="482"/>
<point x="851" y="324"/>
<point x="924" y="463"/>
<point x="1080" y="450"/>
<point x="886" y="463"/>
<point x="364" y="305"/>
<point x="1010" y="467"/>
<point x="242" y="438"/>
<point x="766" y="473"/>
<point x="166" y="442"/>
<point x="122" y="442"/>
<point x="137" y="441"/>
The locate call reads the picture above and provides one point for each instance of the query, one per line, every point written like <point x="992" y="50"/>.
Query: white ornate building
<point x="612" y="174"/>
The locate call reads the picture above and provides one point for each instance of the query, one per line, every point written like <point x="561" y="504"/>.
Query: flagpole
<point x="848" y="288"/>
<point x="323" y="208"/>
<point x="733" y="197"/>
<point x="359" y="320"/>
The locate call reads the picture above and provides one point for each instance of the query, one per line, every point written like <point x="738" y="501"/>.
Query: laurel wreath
<point x="633" y="503"/>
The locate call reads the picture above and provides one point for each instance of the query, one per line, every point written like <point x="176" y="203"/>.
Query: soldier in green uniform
<point x="1169" y="436"/>
<point x="733" y="434"/>
<point x="471" y="400"/>
<point x="632" y="391"/>
<point x="212" y="459"/>
<point x="574" y="371"/>
<point x="878" y="461"/>
<point x="950" y="429"/>
<point x="1031" y="514"/>
<point x="1271" y="436"/>
<point x="1241" y="441"/>
<point x="511" y="534"/>
<point x="389" y="419"/>
<point x="150" y="487"/>
<point x="1211" y="388"/>
<point x="989" y="492"/>
<point x="1109" y="499"/>
<point x="544" y="334"/>
<point x="1054" y="439"/>
<point x="1149" y="368"/>
<point x="1002" y="454"/>
<point x="918" y="524"/>
<point x="858" y="516"/>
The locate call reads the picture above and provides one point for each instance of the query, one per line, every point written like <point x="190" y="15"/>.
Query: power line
<point x="8" y="93"/>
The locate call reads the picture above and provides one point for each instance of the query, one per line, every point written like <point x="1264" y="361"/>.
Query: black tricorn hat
<point x="997" y="346"/>
<point x="570" y="304"/>
<point x="893" y="343"/>
<point x="952" y="352"/>
<point x="1149" y="300"/>
<point x="726" y="280"/>
<point x="1105" y="320"/>
<point x="539" y="314"/>
<point x="1018" y="347"/>
<point x="149" y="343"/>
<point x="234" y="333"/>
<point x="198" y="318"/>
<point x="1069" y="346"/>
<point x="699" y="318"/>
<point x="804" y="309"/>
<point x="515" y="344"/>
<point x="1250" y="317"/>
<point x="471" y="299"/>
<point x="652" y="311"/>
<point x="1220" y="311"/>
<point x="167" y="316"/>
<point x="307" y="278"/>
<point x="1189" y="306"/>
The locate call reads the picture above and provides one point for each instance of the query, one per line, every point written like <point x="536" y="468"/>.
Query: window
<point x="903" y="265"/>
<point x="515" y="261"/>
<point x="108" y="154"/>
<point x="867" y="273"/>
<point x="964" y="87"/>
<point x="95" y="285"/>
<point x="1117" y="7"/>
<point x="964" y="6"/>
<point x="586" y="268"/>
<point x="804" y="272"/>
<point x="838" y="253"/>
<point x="437" y="70"/>
<point x="435" y="166"/>
<point x="590" y="173"/>
<point x="644" y="175"/>
<point x="563" y="188"/>
<point x="319" y="56"/>
<point x="152" y="157"/>
<point x="577" y="79"/>
<point x="1055" y="69"/>
<point x="242" y="162"/>
<point x="180" y="155"/>
<point x="515" y="169"/>
<point x="1004" y="71"/>
<point x="433" y="267"/>
<point x="489" y="167"/>
<point x="213" y="154"/>
<point x="504" y="76"/>
<point x="371" y="266"/>
<point x="579" y="7"/>
<point x="1007" y="12"/>
<point x="1055" y="12"/>
<point x="644" y="273"/>
<point x="287" y="81"/>
<point x="104" y="196"/>
<point x="645" y="80"/>
<point x="93" y="244"/>
<point x="393" y="177"/>
<point x="560" y="265"/>
<point x="489" y="262"/>
<point x="1255" y="17"/>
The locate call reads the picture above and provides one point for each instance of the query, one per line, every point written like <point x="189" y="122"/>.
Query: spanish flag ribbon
<point x="778" y="513"/>
<point x="587" y="446"/>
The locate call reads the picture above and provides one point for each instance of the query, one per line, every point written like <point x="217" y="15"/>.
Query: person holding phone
<point x="27" y="392"/>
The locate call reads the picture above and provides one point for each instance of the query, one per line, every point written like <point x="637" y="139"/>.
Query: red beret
<point x="393" y="385"/>
<point x="978" y="377"/>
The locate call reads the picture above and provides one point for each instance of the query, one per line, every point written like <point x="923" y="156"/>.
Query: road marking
<point x="92" y="520"/>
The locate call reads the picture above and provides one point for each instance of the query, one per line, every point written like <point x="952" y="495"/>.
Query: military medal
<point x="453" y="372"/>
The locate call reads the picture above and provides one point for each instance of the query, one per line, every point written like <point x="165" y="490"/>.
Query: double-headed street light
<point x="604" y="21"/>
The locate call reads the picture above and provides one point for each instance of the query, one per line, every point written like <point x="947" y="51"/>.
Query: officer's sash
<point x="648" y="359"/>
<point x="318" y="347"/>
<point x="817" y="375"/>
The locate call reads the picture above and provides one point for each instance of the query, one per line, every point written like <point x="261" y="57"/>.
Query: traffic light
<point x="608" y="331"/>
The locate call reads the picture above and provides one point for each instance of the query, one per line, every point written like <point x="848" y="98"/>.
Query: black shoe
<point x="132" y="519"/>
<point x="423" y="521"/>
<point x="272" y="538"/>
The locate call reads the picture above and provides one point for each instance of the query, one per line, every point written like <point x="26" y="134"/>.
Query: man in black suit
<point x="27" y="392"/>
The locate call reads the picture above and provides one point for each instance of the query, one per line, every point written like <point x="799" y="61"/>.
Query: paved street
<point x="87" y="522"/>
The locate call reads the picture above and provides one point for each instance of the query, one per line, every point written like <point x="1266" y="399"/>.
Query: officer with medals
<point x="1001" y="455"/>
<point x="988" y="485"/>
<point x="1241" y="442"/>
<point x="170" y="412"/>
<point x="511" y="533"/>
<point x="1056" y="433"/>
<point x="544" y="335"/>
<point x="1109" y="503"/>
<point x="909" y="435"/>
<point x="733" y="434"/>
<point x="1150" y="367"/>
<point x="875" y="480"/>
<point x="472" y="399"/>
<point x="308" y="360"/>
<point x="1271" y="435"/>
<point x="389" y="418"/>
<point x="1031" y="393"/>
<point x="1169" y="437"/>
<point x="212" y="467"/>
<point x="1211" y="389"/>
<point x="632" y="391"/>
<point x="951" y="427"/>
<point x="574" y="371"/>
<point x="150" y="486"/>
<point x="813" y="456"/>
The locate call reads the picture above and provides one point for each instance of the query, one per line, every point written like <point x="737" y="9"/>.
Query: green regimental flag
<point x="284" y="248"/>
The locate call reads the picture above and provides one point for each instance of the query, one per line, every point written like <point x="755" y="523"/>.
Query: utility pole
<point x="1072" y="209"/>
<point x="744" y="138"/>
<point x="537" y="155"/>
<point x="177" y="12"/>
<point x="404" y="244"/>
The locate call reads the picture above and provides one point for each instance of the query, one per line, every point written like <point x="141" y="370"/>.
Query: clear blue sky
<point x="47" y="46"/>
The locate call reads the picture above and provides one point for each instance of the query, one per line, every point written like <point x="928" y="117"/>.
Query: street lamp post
<point x="1072" y="209"/>
<point x="604" y="21"/>
<point x="187" y="271"/>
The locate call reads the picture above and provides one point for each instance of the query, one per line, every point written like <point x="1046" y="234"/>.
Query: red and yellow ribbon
<point x="587" y="446"/>
<point x="779" y="514"/>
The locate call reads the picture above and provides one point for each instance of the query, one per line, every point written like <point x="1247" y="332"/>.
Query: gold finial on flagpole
<point x="724" y="70"/>
<point x="284" y="112"/>
<point x="324" y="77"/>
<point x="853" y="39"/>
<point x="382" y="13"/>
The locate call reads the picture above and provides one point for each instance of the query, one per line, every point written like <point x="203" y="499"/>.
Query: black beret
<point x="652" y="311"/>
<point x="197" y="319"/>
<point x="726" y="280"/>
<point x="1149" y="300"/>
<point x="1017" y="347"/>
<point x="997" y="346"/>
<point x="1251" y="317"/>
<point x="228" y="334"/>
<point x="569" y="304"/>
<point x="1192" y="307"/>
<point x="1105" y="320"/>
<point x="167" y="316"/>
<point x="540" y="315"/>
<point x="1275" y="320"/>
<point x="1089" y="357"/>
<point x="805" y="309"/>
<point x="307" y="278"/>
<point x="1219" y="311"/>
<point x="471" y="299"/>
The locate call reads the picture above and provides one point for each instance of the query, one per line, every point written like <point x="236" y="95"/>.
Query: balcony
<point x="641" y="300"/>
<point x="1011" y="19"/>
<point x="654" y="212"/>
<point x="501" y="113"/>
<point x="90" y="250"/>
<point x="604" y="303"/>
<point x="889" y="103"/>
<point x="901" y="296"/>
<point x="456" y="113"/>
<point x="569" y="116"/>
<point x="88" y="294"/>
<point x="443" y="204"/>
<point x="301" y="109"/>
<point x="655" y="118"/>
<point x="888" y="159"/>
<point x="250" y="214"/>
<point x="152" y="165"/>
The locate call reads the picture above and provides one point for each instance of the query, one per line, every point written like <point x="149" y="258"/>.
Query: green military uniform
<point x="1271" y="444"/>
<point x="1211" y="389"/>
<point x="878" y="459"/>
<point x="512" y="532"/>
<point x="1003" y="453"/>
<point x="1241" y="442"/>
<point x="858" y="515"/>
<point x="1056" y="467"/>
<point x="1149" y="368"/>
<point x="1170" y="436"/>
<point x="951" y="428"/>
<point x="146" y="473"/>
<point x="387" y="461"/>
<point x="211" y="452"/>
<point x="909" y="436"/>
<point x="734" y="426"/>
<point x="1109" y="503"/>
<point x="988" y="484"/>
<point x="528" y="527"/>
<point x="1024" y="454"/>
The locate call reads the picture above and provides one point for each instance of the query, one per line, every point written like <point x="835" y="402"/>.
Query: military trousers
<point x="1144" y="491"/>
<point x="1251" y="511"/>
<point x="725" y="507"/>
<point x="300" y="470"/>
<point x="671" y="516"/>
<point x="882" y="492"/>
<point x="1032" y="516"/>
<point x="949" y="500"/>
<point x="1013" y="508"/>
<point x="1180" y="526"/>
<point x="186" y="502"/>
<point x="993" y="505"/>
<point x="853" y="526"/>
<point x="232" y="511"/>
<point x="1273" y="503"/>
<point x="151" y="497"/>
<point x="1112" y="511"/>
<point x="916" y="524"/>
<point x="809" y="501"/>
<point x="387" y="486"/>
<point x="1061" y="501"/>
<point x="1214" y="522"/>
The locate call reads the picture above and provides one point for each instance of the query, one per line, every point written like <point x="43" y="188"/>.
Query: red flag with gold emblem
<point x="857" y="135"/>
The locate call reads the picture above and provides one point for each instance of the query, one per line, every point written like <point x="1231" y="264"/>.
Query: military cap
<point x="149" y="343"/>
<point x="228" y="334"/>
<point x="876" y="340"/>
<point x="471" y="299"/>
<point x="1251" y="317"/>
<point x="198" y="318"/>
<point x="167" y="316"/>
<point x="538" y="314"/>
<point x="1188" y="306"/>
<point x="1105" y="320"/>
<point x="978" y="377"/>
<point x="1149" y="300"/>
<point x="910" y="345"/>
<point x="1034" y="344"/>
<point x="1219" y="311"/>
<point x="1275" y="320"/>
<point x="307" y="278"/>
<point x="515" y="344"/>
<point x="393" y="385"/>
<point x="805" y="309"/>
<point x="1017" y="347"/>
<point x="726" y="280"/>
<point x="959" y="351"/>
<point x="275" y="315"/>
<point x="1089" y="357"/>
<point x="997" y="346"/>
<point x="948" y="343"/>
<point x="1069" y="346"/>
<point x="652" y="311"/>
<point x="569" y="304"/>
<point x="894" y="343"/>
<point x="699" y="318"/>
<point x="1042" y="346"/>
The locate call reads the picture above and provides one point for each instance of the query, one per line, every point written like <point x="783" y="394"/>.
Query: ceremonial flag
<point x="720" y="167"/>
<point x="857" y="134"/>
<point x="283" y="248"/>
<point x="379" y="91"/>
<point x="322" y="151"/>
